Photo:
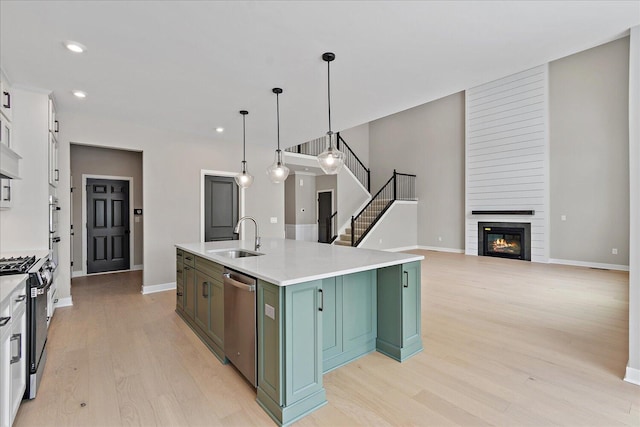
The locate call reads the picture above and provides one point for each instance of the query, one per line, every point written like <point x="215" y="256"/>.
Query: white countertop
<point x="9" y="283"/>
<point x="287" y="262"/>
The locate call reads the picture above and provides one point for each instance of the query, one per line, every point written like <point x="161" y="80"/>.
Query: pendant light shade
<point x="331" y="160"/>
<point x="244" y="179"/>
<point x="278" y="172"/>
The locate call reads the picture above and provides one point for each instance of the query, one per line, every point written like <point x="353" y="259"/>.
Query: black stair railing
<point x="332" y="227"/>
<point x="401" y="186"/>
<point x="351" y="160"/>
<point x="354" y="163"/>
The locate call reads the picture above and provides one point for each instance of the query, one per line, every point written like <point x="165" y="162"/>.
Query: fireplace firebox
<point x="505" y="240"/>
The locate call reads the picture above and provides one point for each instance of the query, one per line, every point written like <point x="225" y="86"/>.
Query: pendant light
<point x="278" y="172"/>
<point x="244" y="179"/>
<point x="332" y="159"/>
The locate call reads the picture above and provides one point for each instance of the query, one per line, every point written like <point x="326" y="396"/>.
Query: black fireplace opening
<point x="505" y="240"/>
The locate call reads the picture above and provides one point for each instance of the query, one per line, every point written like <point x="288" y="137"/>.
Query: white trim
<point x="84" y="216"/>
<point x="439" y="249"/>
<point x="150" y="289"/>
<point x="64" y="302"/>
<point x="395" y="202"/>
<point x="138" y="267"/>
<point x="208" y="172"/>
<point x="632" y="375"/>
<point x="589" y="264"/>
<point x="302" y="173"/>
<point x="77" y="273"/>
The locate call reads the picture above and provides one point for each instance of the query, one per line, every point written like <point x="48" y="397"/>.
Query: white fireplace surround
<point x="507" y="156"/>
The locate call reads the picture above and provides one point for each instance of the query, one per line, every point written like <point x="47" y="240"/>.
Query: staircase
<point x="368" y="216"/>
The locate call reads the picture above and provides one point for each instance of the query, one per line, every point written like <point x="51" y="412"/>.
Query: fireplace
<point x="505" y="240"/>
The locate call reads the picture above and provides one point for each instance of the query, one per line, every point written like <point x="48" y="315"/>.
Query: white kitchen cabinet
<point x="54" y="172"/>
<point x="5" y="98"/>
<point x="13" y="353"/>
<point x="5" y="131"/>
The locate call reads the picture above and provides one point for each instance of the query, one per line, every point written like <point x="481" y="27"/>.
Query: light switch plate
<point x="274" y="220"/>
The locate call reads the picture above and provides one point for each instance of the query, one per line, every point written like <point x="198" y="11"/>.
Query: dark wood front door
<point x="107" y="225"/>
<point x="220" y="208"/>
<point x="324" y="213"/>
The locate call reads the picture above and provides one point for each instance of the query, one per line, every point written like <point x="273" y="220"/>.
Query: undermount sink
<point x="237" y="253"/>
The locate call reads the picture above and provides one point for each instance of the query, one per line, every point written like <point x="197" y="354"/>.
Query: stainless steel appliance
<point x="240" y="322"/>
<point x="38" y="284"/>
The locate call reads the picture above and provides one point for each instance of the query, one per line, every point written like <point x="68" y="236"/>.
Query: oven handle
<point x="4" y="320"/>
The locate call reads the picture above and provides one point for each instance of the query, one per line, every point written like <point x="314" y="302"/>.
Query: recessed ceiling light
<point x="75" y="46"/>
<point x="79" y="94"/>
<point x="219" y="129"/>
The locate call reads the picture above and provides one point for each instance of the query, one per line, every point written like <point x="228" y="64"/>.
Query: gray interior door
<point x="107" y="225"/>
<point x="220" y="208"/>
<point x="324" y="212"/>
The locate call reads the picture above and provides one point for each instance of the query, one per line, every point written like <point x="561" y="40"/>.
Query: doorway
<point x="325" y="212"/>
<point x="221" y="208"/>
<point x="108" y="225"/>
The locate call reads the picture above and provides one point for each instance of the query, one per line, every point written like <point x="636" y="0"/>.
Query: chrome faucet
<point x="237" y="229"/>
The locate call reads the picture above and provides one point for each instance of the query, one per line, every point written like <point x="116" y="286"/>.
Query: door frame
<point x="208" y="172"/>
<point x="84" y="219"/>
<point x="333" y="205"/>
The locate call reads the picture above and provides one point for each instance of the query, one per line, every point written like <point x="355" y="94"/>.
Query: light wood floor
<point x="507" y="343"/>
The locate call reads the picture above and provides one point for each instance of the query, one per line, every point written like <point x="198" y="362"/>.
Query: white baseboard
<point x="439" y="249"/>
<point x="632" y="376"/>
<point x="80" y="273"/>
<point x="77" y="273"/>
<point x="589" y="264"/>
<point x="150" y="289"/>
<point x="137" y="267"/>
<point x="64" y="302"/>
<point x="405" y="248"/>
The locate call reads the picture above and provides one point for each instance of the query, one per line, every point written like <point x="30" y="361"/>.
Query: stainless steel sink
<point x="237" y="253"/>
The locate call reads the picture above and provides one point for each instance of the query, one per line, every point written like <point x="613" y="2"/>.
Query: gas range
<point x="16" y="265"/>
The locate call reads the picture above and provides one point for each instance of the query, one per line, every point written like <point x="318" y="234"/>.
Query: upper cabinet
<point x="5" y="98"/>
<point x="54" y="128"/>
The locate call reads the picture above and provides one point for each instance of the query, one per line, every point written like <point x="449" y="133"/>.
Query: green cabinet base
<point x="216" y="350"/>
<point x="398" y="353"/>
<point x="284" y="416"/>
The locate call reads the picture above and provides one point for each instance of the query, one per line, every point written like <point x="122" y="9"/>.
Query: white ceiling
<point x="190" y="66"/>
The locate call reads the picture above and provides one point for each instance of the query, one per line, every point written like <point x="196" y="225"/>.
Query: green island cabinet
<point x="307" y="329"/>
<point x="200" y="299"/>
<point x="399" y="311"/>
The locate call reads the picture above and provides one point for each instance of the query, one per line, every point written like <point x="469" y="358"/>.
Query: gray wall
<point x="589" y="138"/>
<point x="103" y="161"/>
<point x="290" y="199"/>
<point x="427" y="141"/>
<point x="358" y="139"/>
<point x="305" y="198"/>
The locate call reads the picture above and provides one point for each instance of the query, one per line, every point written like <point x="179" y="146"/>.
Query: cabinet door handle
<point x="179" y="294"/>
<point x="321" y="300"/>
<point x="21" y="298"/>
<point x="4" y="320"/>
<point x="57" y="174"/>
<point x="179" y="271"/>
<point x="188" y="258"/>
<point x="205" y="289"/>
<point x="57" y="126"/>
<point x="406" y="277"/>
<point x="8" y="197"/>
<point x="187" y="268"/>
<point x="8" y="104"/>
<point x="18" y="357"/>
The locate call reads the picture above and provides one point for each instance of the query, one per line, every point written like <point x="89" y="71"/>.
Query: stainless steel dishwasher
<point x="240" y="322"/>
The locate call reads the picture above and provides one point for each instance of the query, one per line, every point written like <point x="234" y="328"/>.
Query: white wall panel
<point x="507" y="155"/>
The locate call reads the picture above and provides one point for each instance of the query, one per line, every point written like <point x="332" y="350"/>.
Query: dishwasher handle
<point x="243" y="286"/>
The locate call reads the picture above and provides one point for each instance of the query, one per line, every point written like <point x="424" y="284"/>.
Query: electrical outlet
<point x="439" y="238"/>
<point x="380" y="242"/>
<point x="614" y="251"/>
<point x="274" y="220"/>
<point x="301" y="182"/>
<point x="563" y="217"/>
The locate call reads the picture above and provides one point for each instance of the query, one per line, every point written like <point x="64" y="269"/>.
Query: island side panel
<point x="269" y="344"/>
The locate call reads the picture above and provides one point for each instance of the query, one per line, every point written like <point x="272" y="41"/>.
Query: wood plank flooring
<point x="506" y="343"/>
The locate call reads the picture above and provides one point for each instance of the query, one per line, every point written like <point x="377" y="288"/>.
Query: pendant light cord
<point x="329" y="92"/>
<point x="278" y="117"/>
<point x="244" y="140"/>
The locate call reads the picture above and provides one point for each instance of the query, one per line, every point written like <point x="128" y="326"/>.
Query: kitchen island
<point x="318" y="307"/>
